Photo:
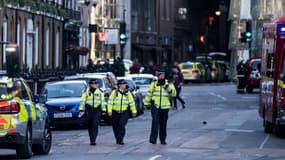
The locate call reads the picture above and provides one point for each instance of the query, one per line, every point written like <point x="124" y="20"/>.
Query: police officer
<point x="93" y="103"/>
<point x="158" y="98"/>
<point x="241" y="76"/>
<point x="120" y="104"/>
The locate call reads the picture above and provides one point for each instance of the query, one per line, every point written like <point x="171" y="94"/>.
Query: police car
<point x="24" y="125"/>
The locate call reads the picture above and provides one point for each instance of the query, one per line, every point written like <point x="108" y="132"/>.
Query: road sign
<point x="111" y="36"/>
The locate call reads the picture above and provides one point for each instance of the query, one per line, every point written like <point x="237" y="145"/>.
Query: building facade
<point x="256" y="12"/>
<point x="36" y="27"/>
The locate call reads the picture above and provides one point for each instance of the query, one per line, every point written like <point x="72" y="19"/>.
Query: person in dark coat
<point x="135" y="69"/>
<point x="177" y="79"/>
<point x="241" y="76"/>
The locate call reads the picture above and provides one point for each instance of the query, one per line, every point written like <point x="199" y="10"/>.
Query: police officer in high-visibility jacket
<point x="120" y="104"/>
<point x="93" y="103"/>
<point x="158" y="98"/>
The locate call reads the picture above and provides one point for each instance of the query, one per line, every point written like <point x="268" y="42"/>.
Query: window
<point x="47" y="47"/>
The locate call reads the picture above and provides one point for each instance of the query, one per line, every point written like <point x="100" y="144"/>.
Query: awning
<point x="77" y="50"/>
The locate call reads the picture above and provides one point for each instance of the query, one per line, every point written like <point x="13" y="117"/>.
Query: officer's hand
<point x="109" y="114"/>
<point x="81" y="113"/>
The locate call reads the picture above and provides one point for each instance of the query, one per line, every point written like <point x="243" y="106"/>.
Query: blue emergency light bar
<point x="282" y="29"/>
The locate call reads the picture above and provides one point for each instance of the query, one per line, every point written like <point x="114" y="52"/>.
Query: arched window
<point x="56" y="48"/>
<point x="36" y="56"/>
<point x="4" y="38"/>
<point x="47" y="47"/>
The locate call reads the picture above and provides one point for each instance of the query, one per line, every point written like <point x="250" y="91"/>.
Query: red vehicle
<point x="253" y="76"/>
<point x="272" y="97"/>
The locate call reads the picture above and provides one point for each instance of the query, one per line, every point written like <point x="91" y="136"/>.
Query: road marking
<point x="264" y="142"/>
<point x="217" y="95"/>
<point x="155" y="157"/>
<point x="239" y="130"/>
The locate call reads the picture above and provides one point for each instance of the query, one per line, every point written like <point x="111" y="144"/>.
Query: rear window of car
<point x="187" y="66"/>
<point x="3" y="92"/>
<point x="142" y="80"/>
<point x="131" y="85"/>
<point x="62" y="90"/>
<point x="254" y="64"/>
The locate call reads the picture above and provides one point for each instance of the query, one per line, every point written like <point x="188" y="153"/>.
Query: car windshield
<point x="187" y="66"/>
<point x="131" y="85"/>
<point x="254" y="64"/>
<point x="3" y="92"/>
<point x="142" y="80"/>
<point x="62" y="90"/>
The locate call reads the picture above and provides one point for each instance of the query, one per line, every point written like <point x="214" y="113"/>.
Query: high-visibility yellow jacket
<point x="95" y="99"/>
<point x="159" y="96"/>
<point x="120" y="102"/>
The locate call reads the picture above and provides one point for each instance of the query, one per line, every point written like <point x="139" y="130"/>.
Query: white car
<point x="143" y="81"/>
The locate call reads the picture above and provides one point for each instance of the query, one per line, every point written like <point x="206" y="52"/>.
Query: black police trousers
<point x="241" y="84"/>
<point x="159" y="124"/>
<point x="119" y="121"/>
<point x="93" y="120"/>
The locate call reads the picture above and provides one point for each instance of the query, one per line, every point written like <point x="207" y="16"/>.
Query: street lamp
<point x="218" y="13"/>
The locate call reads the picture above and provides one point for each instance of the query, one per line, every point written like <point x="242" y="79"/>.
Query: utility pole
<point x="123" y="36"/>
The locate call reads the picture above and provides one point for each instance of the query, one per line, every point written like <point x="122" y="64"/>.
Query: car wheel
<point x="44" y="147"/>
<point x="25" y="150"/>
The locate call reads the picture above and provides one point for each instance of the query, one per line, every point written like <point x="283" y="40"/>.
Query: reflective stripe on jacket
<point x="120" y="102"/>
<point x="94" y="99"/>
<point x="159" y="95"/>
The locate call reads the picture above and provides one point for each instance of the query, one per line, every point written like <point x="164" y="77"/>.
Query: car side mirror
<point x="36" y="98"/>
<point x="43" y="98"/>
<point x="137" y="87"/>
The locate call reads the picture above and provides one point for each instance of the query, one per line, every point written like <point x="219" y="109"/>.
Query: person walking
<point x="158" y="98"/>
<point x="120" y="104"/>
<point x="178" y="79"/>
<point x="241" y="76"/>
<point x="93" y="103"/>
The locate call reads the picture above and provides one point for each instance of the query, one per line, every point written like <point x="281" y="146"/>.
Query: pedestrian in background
<point x="120" y="104"/>
<point x="158" y="98"/>
<point x="135" y="68"/>
<point x="93" y="103"/>
<point x="178" y="79"/>
<point x="241" y="77"/>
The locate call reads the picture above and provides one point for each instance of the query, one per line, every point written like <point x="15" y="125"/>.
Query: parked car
<point x="24" y="124"/>
<point x="253" y="76"/>
<point x="127" y="62"/>
<point x="62" y="99"/>
<point x="135" y="90"/>
<point x="220" y="66"/>
<point x="143" y="81"/>
<point x="192" y="71"/>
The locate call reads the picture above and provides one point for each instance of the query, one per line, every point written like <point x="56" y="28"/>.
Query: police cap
<point x="93" y="81"/>
<point x="121" y="81"/>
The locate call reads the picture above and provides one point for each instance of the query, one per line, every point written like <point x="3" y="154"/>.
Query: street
<point x="217" y="124"/>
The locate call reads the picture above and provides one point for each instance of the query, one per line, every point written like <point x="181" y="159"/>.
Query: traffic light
<point x="248" y="31"/>
<point x="246" y="36"/>
<point x="122" y="33"/>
